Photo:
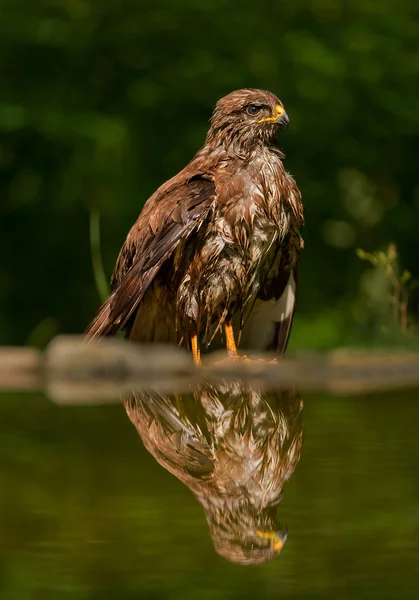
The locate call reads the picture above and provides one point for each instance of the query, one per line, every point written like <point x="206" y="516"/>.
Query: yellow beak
<point x="277" y="538"/>
<point x="279" y="112"/>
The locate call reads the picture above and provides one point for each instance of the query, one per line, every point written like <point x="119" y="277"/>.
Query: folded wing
<point x="169" y="216"/>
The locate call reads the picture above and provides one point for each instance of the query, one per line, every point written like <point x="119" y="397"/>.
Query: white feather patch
<point x="259" y="329"/>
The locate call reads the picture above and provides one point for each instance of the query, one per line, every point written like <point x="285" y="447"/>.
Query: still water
<point x="257" y="495"/>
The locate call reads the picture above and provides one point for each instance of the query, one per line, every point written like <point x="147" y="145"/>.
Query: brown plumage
<point x="218" y="241"/>
<point x="233" y="445"/>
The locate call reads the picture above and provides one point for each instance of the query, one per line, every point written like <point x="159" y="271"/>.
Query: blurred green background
<point x="102" y="101"/>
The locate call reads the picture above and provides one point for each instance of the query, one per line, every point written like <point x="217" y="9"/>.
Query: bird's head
<point x="248" y="116"/>
<point x="246" y="535"/>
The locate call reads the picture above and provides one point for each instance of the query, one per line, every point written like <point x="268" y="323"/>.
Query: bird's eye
<point x="253" y="109"/>
<point x="249" y="545"/>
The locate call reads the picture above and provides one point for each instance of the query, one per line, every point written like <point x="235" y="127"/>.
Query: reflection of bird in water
<point x="233" y="446"/>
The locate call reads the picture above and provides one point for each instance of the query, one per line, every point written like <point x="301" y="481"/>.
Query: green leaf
<point x="366" y="256"/>
<point x="95" y="249"/>
<point x="406" y="276"/>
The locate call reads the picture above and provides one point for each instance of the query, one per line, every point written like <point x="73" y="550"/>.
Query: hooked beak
<point x="278" y="537"/>
<point x="283" y="121"/>
<point x="281" y="118"/>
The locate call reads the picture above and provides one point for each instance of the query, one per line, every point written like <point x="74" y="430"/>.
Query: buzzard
<point x="215" y="248"/>
<point x="233" y="445"/>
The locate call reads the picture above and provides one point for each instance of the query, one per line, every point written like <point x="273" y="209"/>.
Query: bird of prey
<point x="216" y="247"/>
<point x="233" y="445"/>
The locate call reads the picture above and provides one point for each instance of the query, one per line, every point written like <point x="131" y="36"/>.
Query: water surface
<point x="87" y="512"/>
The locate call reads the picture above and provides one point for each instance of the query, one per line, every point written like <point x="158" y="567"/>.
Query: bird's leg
<point x="196" y="352"/>
<point x="230" y="341"/>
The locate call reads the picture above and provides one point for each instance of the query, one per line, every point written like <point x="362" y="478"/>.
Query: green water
<point x="86" y="511"/>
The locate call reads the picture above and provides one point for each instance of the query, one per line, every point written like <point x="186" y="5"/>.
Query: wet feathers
<point x="218" y="242"/>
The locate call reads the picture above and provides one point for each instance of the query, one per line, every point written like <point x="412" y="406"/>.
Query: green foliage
<point x="401" y="282"/>
<point x="96" y="252"/>
<point x="103" y="101"/>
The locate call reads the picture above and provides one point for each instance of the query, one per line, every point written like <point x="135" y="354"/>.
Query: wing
<point x="268" y="325"/>
<point x="169" y="216"/>
<point x="171" y="434"/>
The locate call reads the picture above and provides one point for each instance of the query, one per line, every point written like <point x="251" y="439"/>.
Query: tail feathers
<point x="102" y="323"/>
<point x="116" y="311"/>
<point x="284" y="316"/>
<point x="269" y="324"/>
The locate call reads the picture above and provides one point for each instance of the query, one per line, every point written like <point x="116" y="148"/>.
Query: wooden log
<point x="104" y="370"/>
<point x="20" y="368"/>
<point x="72" y="371"/>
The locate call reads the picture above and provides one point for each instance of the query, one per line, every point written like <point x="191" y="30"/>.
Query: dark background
<point x="101" y="102"/>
